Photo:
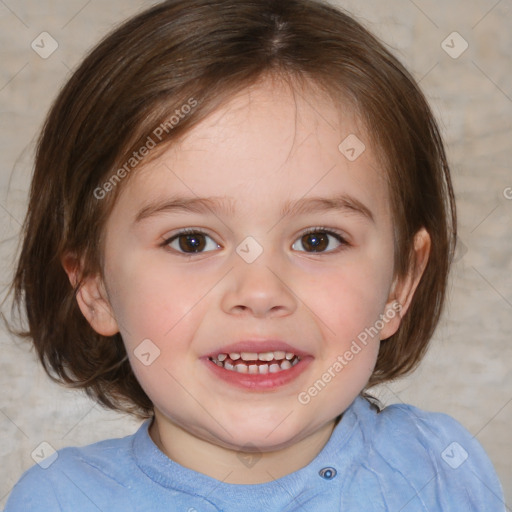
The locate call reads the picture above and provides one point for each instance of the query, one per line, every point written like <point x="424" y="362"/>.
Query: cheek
<point x="160" y="309"/>
<point x="351" y="298"/>
<point x="151" y="299"/>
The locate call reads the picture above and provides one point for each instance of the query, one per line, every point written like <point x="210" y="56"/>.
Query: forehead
<point x="269" y="141"/>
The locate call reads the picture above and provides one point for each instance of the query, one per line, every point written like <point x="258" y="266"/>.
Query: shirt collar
<point x="337" y="453"/>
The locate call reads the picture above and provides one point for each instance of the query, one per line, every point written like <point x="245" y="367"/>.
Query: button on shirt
<point x="401" y="459"/>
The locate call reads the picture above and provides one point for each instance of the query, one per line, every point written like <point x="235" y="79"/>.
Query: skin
<point x="267" y="146"/>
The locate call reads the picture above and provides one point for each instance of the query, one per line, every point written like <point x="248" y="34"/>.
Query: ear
<point x="403" y="288"/>
<point x="92" y="298"/>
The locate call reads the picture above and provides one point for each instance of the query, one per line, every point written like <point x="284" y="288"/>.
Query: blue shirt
<point x="401" y="459"/>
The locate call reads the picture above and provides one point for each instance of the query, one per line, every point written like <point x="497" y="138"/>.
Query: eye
<point x="320" y="240"/>
<point x="190" y="241"/>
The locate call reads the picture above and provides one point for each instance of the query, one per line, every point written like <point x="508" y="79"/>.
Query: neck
<point x="234" y="466"/>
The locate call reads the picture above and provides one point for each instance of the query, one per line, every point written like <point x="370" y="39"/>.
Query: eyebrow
<point x="340" y="202"/>
<point x="188" y="205"/>
<point x="223" y="205"/>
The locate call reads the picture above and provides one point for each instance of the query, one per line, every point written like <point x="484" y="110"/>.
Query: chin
<point x="265" y="435"/>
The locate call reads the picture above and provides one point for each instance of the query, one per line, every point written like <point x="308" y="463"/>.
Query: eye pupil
<point x="195" y="241"/>
<point x="317" y="241"/>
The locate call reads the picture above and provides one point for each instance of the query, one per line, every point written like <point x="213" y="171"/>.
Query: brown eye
<point x="319" y="241"/>
<point x="192" y="242"/>
<point x="316" y="242"/>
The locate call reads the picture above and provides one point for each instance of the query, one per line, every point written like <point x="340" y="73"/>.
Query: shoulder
<point x="74" y="475"/>
<point x="433" y="452"/>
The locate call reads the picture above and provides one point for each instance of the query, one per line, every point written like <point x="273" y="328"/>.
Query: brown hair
<point x="142" y="74"/>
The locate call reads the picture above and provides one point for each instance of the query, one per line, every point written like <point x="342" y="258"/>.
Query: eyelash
<point x="319" y="229"/>
<point x="326" y="231"/>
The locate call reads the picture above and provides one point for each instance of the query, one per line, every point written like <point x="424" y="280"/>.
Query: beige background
<point x="468" y="371"/>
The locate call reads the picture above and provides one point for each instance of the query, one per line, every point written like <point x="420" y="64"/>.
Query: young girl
<point x="241" y="219"/>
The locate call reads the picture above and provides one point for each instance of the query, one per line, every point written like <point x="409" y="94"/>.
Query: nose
<point x="259" y="289"/>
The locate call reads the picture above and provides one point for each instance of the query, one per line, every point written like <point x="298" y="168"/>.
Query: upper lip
<point x="258" y="346"/>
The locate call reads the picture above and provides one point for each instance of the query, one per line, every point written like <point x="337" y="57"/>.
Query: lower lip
<point x="259" y="382"/>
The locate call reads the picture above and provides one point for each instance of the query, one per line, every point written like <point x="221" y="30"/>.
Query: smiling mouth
<point x="256" y="362"/>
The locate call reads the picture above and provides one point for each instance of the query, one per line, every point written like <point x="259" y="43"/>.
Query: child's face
<point x="264" y="150"/>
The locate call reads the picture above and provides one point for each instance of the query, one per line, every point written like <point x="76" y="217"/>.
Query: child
<point x="241" y="219"/>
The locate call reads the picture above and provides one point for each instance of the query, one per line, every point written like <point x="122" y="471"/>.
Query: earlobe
<point x="403" y="289"/>
<point x="93" y="302"/>
<point x="391" y="318"/>
<point x="92" y="299"/>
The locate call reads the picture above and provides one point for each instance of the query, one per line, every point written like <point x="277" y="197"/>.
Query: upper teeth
<point x="255" y="356"/>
